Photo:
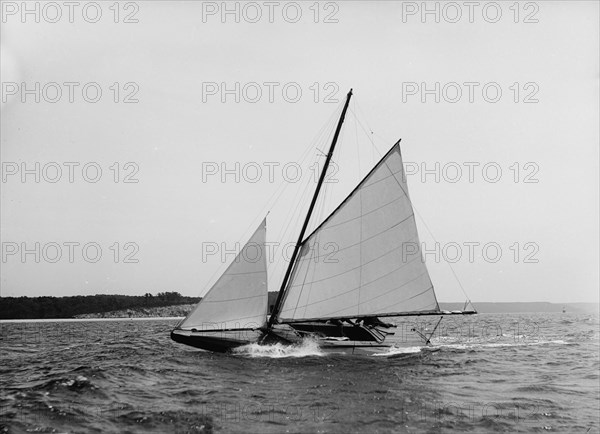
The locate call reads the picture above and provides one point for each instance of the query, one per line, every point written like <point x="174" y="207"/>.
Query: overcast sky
<point x="532" y="228"/>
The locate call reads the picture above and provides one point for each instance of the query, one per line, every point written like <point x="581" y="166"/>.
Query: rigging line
<point x="292" y="211"/>
<point x="373" y="133"/>
<point x="356" y="138"/>
<point x="227" y="300"/>
<point x="422" y="219"/>
<point x="329" y="185"/>
<point x="307" y="151"/>
<point x="326" y="189"/>
<point x="293" y="217"/>
<point x="447" y="262"/>
<point x="319" y="214"/>
<point x="279" y="191"/>
<point x="317" y="141"/>
<point x="299" y="190"/>
<point x="284" y="239"/>
<point x="292" y="223"/>
<point x="360" y="198"/>
<point x="318" y="138"/>
<point x="297" y="270"/>
<point x="270" y="202"/>
<point x="311" y="253"/>
<point x="374" y="147"/>
<point x="343" y="203"/>
<point x="384" y="139"/>
<point x="322" y="199"/>
<point x="397" y="145"/>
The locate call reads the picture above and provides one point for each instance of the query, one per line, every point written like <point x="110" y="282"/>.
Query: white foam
<point x="465" y="346"/>
<point x="392" y="351"/>
<point x="306" y="348"/>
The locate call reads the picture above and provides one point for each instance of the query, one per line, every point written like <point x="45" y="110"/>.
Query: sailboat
<point x="339" y="304"/>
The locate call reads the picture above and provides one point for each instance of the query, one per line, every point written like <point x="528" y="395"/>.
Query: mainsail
<point x="238" y="300"/>
<point x="377" y="268"/>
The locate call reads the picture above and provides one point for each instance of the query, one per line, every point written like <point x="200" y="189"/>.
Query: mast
<point x="310" y="210"/>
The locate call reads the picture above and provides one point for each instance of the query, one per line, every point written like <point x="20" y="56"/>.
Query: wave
<point x="307" y="348"/>
<point x="76" y="383"/>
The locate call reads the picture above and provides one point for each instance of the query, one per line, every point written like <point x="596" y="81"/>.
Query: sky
<point x="160" y="134"/>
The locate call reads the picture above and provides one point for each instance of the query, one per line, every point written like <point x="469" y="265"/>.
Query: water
<point x="486" y="373"/>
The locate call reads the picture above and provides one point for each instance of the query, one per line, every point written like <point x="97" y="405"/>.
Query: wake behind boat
<point x="340" y="303"/>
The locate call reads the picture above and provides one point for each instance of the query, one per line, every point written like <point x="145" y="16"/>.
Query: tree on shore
<point x="68" y="307"/>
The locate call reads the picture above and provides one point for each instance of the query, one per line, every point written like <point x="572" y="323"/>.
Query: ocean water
<point x="483" y="373"/>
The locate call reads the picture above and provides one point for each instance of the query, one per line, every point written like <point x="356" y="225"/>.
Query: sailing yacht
<point x="340" y="303"/>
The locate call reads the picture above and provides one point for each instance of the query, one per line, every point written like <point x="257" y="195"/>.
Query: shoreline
<point x="140" y="318"/>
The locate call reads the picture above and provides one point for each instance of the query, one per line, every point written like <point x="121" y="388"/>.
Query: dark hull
<point x="218" y="345"/>
<point x="339" y="339"/>
<point x="220" y="342"/>
<point x="331" y="338"/>
<point x="352" y="333"/>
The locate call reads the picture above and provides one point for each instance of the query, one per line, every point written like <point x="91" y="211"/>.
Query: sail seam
<point x="414" y="296"/>
<point x="351" y="193"/>
<point x="404" y="284"/>
<point x="361" y="265"/>
<point x="324" y="228"/>
<point x="354" y="289"/>
<point x="302" y="289"/>
<point x="245" y="272"/>
<point x="416" y="230"/>
<point x="234" y="299"/>
<point x="227" y="320"/>
<point x="379" y="296"/>
<point x="365" y="240"/>
<point x="375" y="313"/>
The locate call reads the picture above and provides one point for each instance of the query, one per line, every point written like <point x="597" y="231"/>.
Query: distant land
<point x="492" y="307"/>
<point x="92" y="306"/>
<point x="516" y="307"/>
<point x="173" y="304"/>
